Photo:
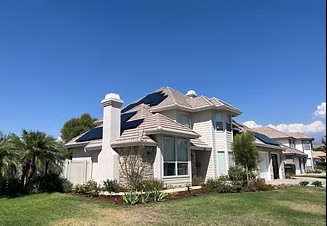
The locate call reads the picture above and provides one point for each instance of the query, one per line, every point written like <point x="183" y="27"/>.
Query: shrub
<point x="322" y="168"/>
<point x="158" y="196"/>
<point x="259" y="184"/>
<point x="110" y="186"/>
<point x="197" y="181"/>
<point x="317" y="183"/>
<point x="237" y="175"/>
<point x="304" y="183"/>
<point x="131" y="198"/>
<point x="212" y="185"/>
<point x="225" y="188"/>
<point x="90" y="188"/>
<point x="152" y="184"/>
<point x="67" y="186"/>
<point x="289" y="175"/>
<point x="51" y="182"/>
<point x="9" y="186"/>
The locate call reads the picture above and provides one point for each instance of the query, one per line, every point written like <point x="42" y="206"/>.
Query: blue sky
<point x="58" y="59"/>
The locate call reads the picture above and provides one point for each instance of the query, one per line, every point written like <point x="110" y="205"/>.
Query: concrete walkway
<point x="297" y="180"/>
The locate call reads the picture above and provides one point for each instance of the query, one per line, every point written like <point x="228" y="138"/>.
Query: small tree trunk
<point x="247" y="175"/>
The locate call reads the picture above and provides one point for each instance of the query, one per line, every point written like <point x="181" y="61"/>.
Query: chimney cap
<point x="112" y="96"/>
<point x="112" y="99"/>
<point x="191" y="93"/>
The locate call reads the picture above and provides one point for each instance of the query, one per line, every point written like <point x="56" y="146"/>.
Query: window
<point x="291" y="143"/>
<point x="229" y="127"/>
<point x="219" y="122"/>
<point x="183" y="119"/>
<point x="230" y="159"/>
<point x="175" y="157"/>
<point x="306" y="145"/>
<point x="221" y="163"/>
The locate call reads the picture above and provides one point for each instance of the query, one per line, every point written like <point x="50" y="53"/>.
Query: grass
<point x="289" y="206"/>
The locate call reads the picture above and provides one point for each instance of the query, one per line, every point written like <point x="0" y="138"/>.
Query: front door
<point x="275" y="165"/>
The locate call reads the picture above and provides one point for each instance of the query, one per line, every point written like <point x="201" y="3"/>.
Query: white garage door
<point x="264" y="166"/>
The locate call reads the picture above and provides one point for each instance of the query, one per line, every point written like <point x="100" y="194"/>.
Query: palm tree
<point x="39" y="152"/>
<point x="9" y="158"/>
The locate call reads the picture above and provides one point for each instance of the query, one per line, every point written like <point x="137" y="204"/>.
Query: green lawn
<point x="289" y="206"/>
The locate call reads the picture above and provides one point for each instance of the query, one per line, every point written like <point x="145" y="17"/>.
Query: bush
<point x="317" y="183"/>
<point x="51" y="182"/>
<point x="237" y="175"/>
<point x="304" y="183"/>
<point x="90" y="188"/>
<point x="259" y="184"/>
<point x="110" y="186"/>
<point x="197" y="181"/>
<point x="212" y="185"/>
<point x="152" y="184"/>
<point x="322" y="168"/>
<point x="9" y="186"/>
<point x="289" y="175"/>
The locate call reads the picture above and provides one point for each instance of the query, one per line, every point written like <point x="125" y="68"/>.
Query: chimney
<point x="191" y="93"/>
<point x="108" y="158"/>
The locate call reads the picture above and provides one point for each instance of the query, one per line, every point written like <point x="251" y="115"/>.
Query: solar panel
<point x="93" y="134"/>
<point x="265" y="139"/>
<point x="127" y="116"/>
<point x="131" y="125"/>
<point x="152" y="99"/>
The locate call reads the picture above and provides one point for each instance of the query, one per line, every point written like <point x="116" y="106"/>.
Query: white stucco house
<point x="298" y="147"/>
<point x="173" y="136"/>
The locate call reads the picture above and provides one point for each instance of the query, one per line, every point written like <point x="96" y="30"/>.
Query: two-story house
<point x="165" y="135"/>
<point x="299" y="147"/>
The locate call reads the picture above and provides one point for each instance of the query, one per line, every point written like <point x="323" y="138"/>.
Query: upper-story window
<point x="291" y="143"/>
<point x="306" y="145"/>
<point x="229" y="123"/>
<point x="183" y="119"/>
<point x="219" y="122"/>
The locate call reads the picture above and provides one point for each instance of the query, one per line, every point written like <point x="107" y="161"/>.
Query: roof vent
<point x="191" y="93"/>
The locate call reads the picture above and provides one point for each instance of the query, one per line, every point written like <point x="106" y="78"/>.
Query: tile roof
<point x="270" y="132"/>
<point x="176" y="99"/>
<point x="293" y="151"/>
<point x="198" y="144"/>
<point x="299" y="135"/>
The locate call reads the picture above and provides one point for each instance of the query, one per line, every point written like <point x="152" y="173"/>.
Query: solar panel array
<point x="152" y="99"/>
<point x="93" y="134"/>
<point x="265" y="139"/>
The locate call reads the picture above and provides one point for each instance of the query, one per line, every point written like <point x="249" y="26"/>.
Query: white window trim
<point x="176" y="161"/>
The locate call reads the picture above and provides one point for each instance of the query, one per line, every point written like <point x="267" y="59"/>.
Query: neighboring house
<point x="319" y="157"/>
<point x="298" y="147"/>
<point x="271" y="165"/>
<point x="165" y="135"/>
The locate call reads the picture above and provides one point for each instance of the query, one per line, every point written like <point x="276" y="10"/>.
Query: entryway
<point x="274" y="158"/>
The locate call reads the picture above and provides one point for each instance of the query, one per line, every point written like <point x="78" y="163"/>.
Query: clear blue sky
<point x="58" y="59"/>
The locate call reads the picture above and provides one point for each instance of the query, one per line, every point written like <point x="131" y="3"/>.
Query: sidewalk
<point x="297" y="180"/>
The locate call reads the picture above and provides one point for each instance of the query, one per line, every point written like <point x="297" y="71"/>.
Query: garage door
<point x="264" y="166"/>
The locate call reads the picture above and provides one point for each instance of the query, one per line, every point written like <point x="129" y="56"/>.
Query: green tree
<point x="9" y="157"/>
<point x="77" y="126"/>
<point x="245" y="152"/>
<point x="39" y="151"/>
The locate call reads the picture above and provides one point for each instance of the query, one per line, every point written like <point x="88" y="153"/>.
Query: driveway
<point x="297" y="180"/>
